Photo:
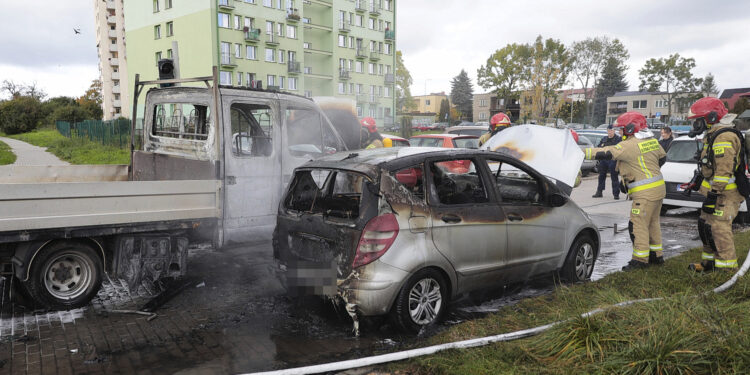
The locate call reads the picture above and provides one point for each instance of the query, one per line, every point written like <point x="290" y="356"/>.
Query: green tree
<point x="403" y="84"/>
<point x="741" y="105"/>
<point x="611" y="82"/>
<point x="672" y="76"/>
<point x="462" y="94"/>
<point x="20" y="114"/>
<point x="708" y="87"/>
<point x="506" y="71"/>
<point x="49" y="106"/>
<point x="91" y="101"/>
<point x="444" y="114"/>
<point x="588" y="58"/>
<point x="550" y="65"/>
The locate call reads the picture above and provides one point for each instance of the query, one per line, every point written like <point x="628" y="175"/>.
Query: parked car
<point x="474" y="130"/>
<point x="595" y="136"/>
<point x="448" y="141"/>
<point x="679" y="170"/>
<point x="387" y="231"/>
<point x="587" y="166"/>
<point x="440" y="126"/>
<point x="465" y="123"/>
<point x="397" y="141"/>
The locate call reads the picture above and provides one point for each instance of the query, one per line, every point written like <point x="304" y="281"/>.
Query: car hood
<point x="552" y="152"/>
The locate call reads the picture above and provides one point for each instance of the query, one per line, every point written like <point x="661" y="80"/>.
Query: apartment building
<point x="339" y="48"/>
<point x="429" y="103"/>
<point x="110" y="42"/>
<point x="486" y="105"/>
<point x="650" y="104"/>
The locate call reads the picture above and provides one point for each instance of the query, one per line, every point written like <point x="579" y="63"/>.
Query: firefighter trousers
<point x="715" y="231"/>
<point x="645" y="230"/>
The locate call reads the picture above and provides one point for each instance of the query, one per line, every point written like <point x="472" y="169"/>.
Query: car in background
<point x="440" y="126"/>
<point x="602" y="126"/>
<point x="465" y="123"/>
<point x="679" y="169"/>
<point x="474" y="130"/>
<point x="385" y="231"/>
<point x="396" y="141"/>
<point x="587" y="166"/>
<point x="447" y="141"/>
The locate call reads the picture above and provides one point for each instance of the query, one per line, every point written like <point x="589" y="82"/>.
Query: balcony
<point x="112" y="19"/>
<point x="360" y="5"/>
<point x="226" y="4"/>
<point x="343" y="74"/>
<point x="113" y="48"/>
<point x="272" y="39"/>
<point x="293" y="67"/>
<point x="374" y="8"/>
<point x="111" y="4"/>
<point x="362" y="53"/>
<point x="115" y="75"/>
<point x="344" y="26"/>
<point x="116" y="89"/>
<point x="390" y="79"/>
<point x="114" y="62"/>
<point x="227" y="61"/>
<point x="112" y="33"/>
<point x="390" y="34"/>
<point x="292" y="15"/>
<point x="117" y="103"/>
<point x="375" y="55"/>
<point x="617" y="111"/>
<point x="252" y="35"/>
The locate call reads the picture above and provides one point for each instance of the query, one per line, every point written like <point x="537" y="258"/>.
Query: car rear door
<point x="467" y="223"/>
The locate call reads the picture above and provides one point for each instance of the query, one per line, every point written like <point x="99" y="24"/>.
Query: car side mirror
<point x="557" y="199"/>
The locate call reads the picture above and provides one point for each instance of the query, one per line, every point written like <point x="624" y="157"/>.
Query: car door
<point x="467" y="223"/>
<point x="535" y="230"/>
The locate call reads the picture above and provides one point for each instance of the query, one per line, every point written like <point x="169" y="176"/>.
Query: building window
<point x="239" y="78"/>
<point x="248" y="23"/>
<point x="281" y="82"/>
<point x="224" y="20"/>
<point x="280" y="29"/>
<point x="225" y="52"/>
<point x="359" y="111"/>
<point x="238" y="22"/>
<point x="282" y="54"/>
<point x="170" y="28"/>
<point x="292" y="56"/>
<point x="157" y="32"/>
<point x="387" y="4"/>
<point x="271" y="80"/>
<point x="371" y="23"/>
<point x="268" y="3"/>
<point x="359" y="66"/>
<point x="359" y="89"/>
<point x="238" y="51"/>
<point x="291" y="32"/>
<point x="270" y="54"/>
<point x="358" y="20"/>
<point x="351" y="88"/>
<point x="342" y="40"/>
<point x="639" y="104"/>
<point x="387" y="92"/>
<point x="342" y="89"/>
<point x="371" y="68"/>
<point x="660" y="104"/>
<point x="250" y="52"/>
<point x="269" y="27"/>
<point x="169" y="53"/>
<point x="387" y="49"/>
<point x="380" y="69"/>
<point x="427" y="102"/>
<point x="351" y="42"/>
<point x="156" y="6"/>
<point x="158" y="57"/>
<point x="225" y="78"/>
<point x="292" y="83"/>
<point x="167" y="4"/>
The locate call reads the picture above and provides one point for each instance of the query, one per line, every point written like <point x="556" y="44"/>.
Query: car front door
<point x="467" y="223"/>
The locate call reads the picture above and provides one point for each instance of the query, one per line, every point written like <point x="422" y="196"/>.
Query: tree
<point x="550" y="65"/>
<point x="13" y="89"/>
<point x="444" y="114"/>
<point x="462" y="94"/>
<point x="708" y="87"/>
<point x="505" y="71"/>
<point x="611" y="82"/>
<point x="403" y="84"/>
<point x="588" y="58"/>
<point x="20" y="114"/>
<point x="741" y="105"/>
<point x="91" y="101"/>
<point x="672" y="76"/>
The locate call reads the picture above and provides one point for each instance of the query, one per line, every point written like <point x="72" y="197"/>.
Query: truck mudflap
<point x="142" y="259"/>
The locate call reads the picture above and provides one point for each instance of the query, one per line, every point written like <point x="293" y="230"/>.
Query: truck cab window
<point x="252" y="130"/>
<point x="304" y="133"/>
<point x="182" y="120"/>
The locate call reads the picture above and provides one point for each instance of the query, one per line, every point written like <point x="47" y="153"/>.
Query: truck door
<point x="252" y="146"/>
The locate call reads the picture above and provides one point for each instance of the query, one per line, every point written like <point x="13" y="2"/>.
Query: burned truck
<point x="210" y="167"/>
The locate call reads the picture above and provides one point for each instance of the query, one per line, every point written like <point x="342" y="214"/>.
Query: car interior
<point x="457" y="188"/>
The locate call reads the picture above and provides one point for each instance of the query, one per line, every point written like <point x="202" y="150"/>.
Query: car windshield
<point x="426" y="142"/>
<point x="466" y="142"/>
<point x="683" y="151"/>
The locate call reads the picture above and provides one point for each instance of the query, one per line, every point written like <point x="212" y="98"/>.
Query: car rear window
<point x="426" y="142"/>
<point x="466" y="142"/>
<point x="400" y="143"/>
<point x="328" y="192"/>
<point x="683" y="151"/>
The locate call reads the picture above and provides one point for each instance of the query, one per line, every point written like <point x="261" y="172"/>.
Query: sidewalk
<point x="27" y="154"/>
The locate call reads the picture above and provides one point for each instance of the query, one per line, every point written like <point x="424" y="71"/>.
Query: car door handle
<point x="515" y="217"/>
<point x="451" y="219"/>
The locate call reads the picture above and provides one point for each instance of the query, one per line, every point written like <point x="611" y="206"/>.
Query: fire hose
<point x="482" y="341"/>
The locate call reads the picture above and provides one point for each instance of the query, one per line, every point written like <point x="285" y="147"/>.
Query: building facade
<point x="429" y="103"/>
<point x="650" y="104"/>
<point x="486" y="105"/>
<point x="110" y="42"/>
<point x="481" y="107"/>
<point x="339" y="48"/>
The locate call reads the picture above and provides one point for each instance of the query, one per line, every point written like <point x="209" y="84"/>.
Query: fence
<point x="110" y="133"/>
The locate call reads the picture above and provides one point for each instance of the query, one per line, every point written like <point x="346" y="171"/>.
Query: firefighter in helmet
<point x="370" y="138"/>
<point x="718" y="161"/>
<point x="498" y="122"/>
<point x="639" y="159"/>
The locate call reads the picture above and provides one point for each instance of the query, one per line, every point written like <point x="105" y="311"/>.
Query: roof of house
<point x="728" y="93"/>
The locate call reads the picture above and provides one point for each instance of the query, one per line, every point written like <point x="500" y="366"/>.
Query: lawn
<point x="688" y="332"/>
<point x="6" y="154"/>
<point x="75" y="151"/>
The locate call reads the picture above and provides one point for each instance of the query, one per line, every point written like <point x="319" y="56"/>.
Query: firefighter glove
<point x="709" y="204"/>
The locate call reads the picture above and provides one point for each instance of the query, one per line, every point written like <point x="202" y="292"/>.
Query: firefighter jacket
<point x="718" y="174"/>
<point x="485" y="137"/>
<point x="376" y="143"/>
<point x="638" y="164"/>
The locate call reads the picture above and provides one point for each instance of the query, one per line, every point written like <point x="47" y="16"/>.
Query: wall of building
<point x="110" y="39"/>
<point x="481" y="107"/>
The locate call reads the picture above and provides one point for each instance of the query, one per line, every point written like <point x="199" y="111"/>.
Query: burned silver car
<point x="399" y="231"/>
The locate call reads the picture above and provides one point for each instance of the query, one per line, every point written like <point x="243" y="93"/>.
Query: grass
<point x="687" y="333"/>
<point x="6" y="154"/>
<point x="77" y="150"/>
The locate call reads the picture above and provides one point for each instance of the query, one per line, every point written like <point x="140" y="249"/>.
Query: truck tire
<point x="579" y="264"/>
<point x="64" y="275"/>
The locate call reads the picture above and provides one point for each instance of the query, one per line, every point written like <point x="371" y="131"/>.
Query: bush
<point x="20" y="114"/>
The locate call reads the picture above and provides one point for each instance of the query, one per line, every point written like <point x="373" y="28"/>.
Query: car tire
<point x="421" y="302"/>
<point x="584" y="172"/>
<point x="65" y="275"/>
<point x="579" y="264"/>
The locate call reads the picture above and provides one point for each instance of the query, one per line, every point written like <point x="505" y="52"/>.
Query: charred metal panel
<point x="151" y="166"/>
<point x="149" y="257"/>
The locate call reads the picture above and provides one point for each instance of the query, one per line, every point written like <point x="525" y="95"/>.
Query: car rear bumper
<point x="372" y="288"/>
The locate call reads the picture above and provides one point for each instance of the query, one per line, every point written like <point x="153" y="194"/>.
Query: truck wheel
<point x="580" y="261"/>
<point x="65" y="275"/>
<point x="421" y="302"/>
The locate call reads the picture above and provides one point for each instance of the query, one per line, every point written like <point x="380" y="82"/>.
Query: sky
<point x="438" y="38"/>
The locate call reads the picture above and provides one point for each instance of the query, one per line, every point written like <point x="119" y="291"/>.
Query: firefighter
<point x="718" y="161"/>
<point x="639" y="159"/>
<point x="370" y="137"/>
<point x="498" y="122"/>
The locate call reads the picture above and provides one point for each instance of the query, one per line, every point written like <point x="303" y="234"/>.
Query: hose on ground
<point x="482" y="341"/>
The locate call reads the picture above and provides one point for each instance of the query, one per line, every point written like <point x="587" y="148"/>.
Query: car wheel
<point x="584" y="172"/>
<point x="421" y="302"/>
<point x="65" y="275"/>
<point x="579" y="263"/>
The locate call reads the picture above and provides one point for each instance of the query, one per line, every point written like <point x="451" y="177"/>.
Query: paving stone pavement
<point x="27" y="154"/>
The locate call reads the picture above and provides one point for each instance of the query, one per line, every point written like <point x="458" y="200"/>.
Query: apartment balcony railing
<point x="361" y="53"/>
<point x="390" y="79"/>
<point x="113" y="48"/>
<point x="252" y="35"/>
<point x="112" y="33"/>
<point x="360" y="5"/>
<point x="374" y="8"/>
<point x="226" y="4"/>
<point x="390" y="34"/>
<point x="111" y="4"/>
<point x="114" y="62"/>
<point x="111" y="19"/>
<point x="375" y="55"/>
<point x="115" y="75"/>
<point x="292" y="15"/>
<point x="344" y="26"/>
<point x="272" y="39"/>
<point x="117" y="103"/>
<point x="293" y="67"/>
<point x="343" y="74"/>
<point x="227" y="60"/>
<point x="116" y="89"/>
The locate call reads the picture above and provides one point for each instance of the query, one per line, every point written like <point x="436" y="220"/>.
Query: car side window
<point x="513" y="185"/>
<point x="457" y="182"/>
<point x="412" y="178"/>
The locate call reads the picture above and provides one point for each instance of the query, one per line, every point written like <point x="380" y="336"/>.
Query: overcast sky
<point x="438" y="38"/>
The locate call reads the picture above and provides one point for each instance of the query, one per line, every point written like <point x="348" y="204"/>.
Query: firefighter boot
<point x="703" y="266"/>
<point x="634" y="265"/>
<point x="653" y="259"/>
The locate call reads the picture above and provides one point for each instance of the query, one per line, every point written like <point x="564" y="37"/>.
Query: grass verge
<point x="6" y="154"/>
<point x="687" y="333"/>
<point x="75" y="151"/>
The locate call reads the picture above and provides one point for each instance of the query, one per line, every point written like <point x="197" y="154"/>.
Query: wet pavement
<point x="233" y="316"/>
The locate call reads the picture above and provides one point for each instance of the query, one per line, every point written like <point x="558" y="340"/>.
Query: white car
<point x="679" y="170"/>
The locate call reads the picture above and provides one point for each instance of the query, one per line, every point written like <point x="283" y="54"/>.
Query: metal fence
<point x="111" y="133"/>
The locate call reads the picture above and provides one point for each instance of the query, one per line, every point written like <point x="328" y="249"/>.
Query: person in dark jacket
<point x="666" y="138"/>
<point x="608" y="165"/>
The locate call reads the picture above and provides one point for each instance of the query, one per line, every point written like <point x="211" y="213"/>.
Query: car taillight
<point x="376" y="239"/>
